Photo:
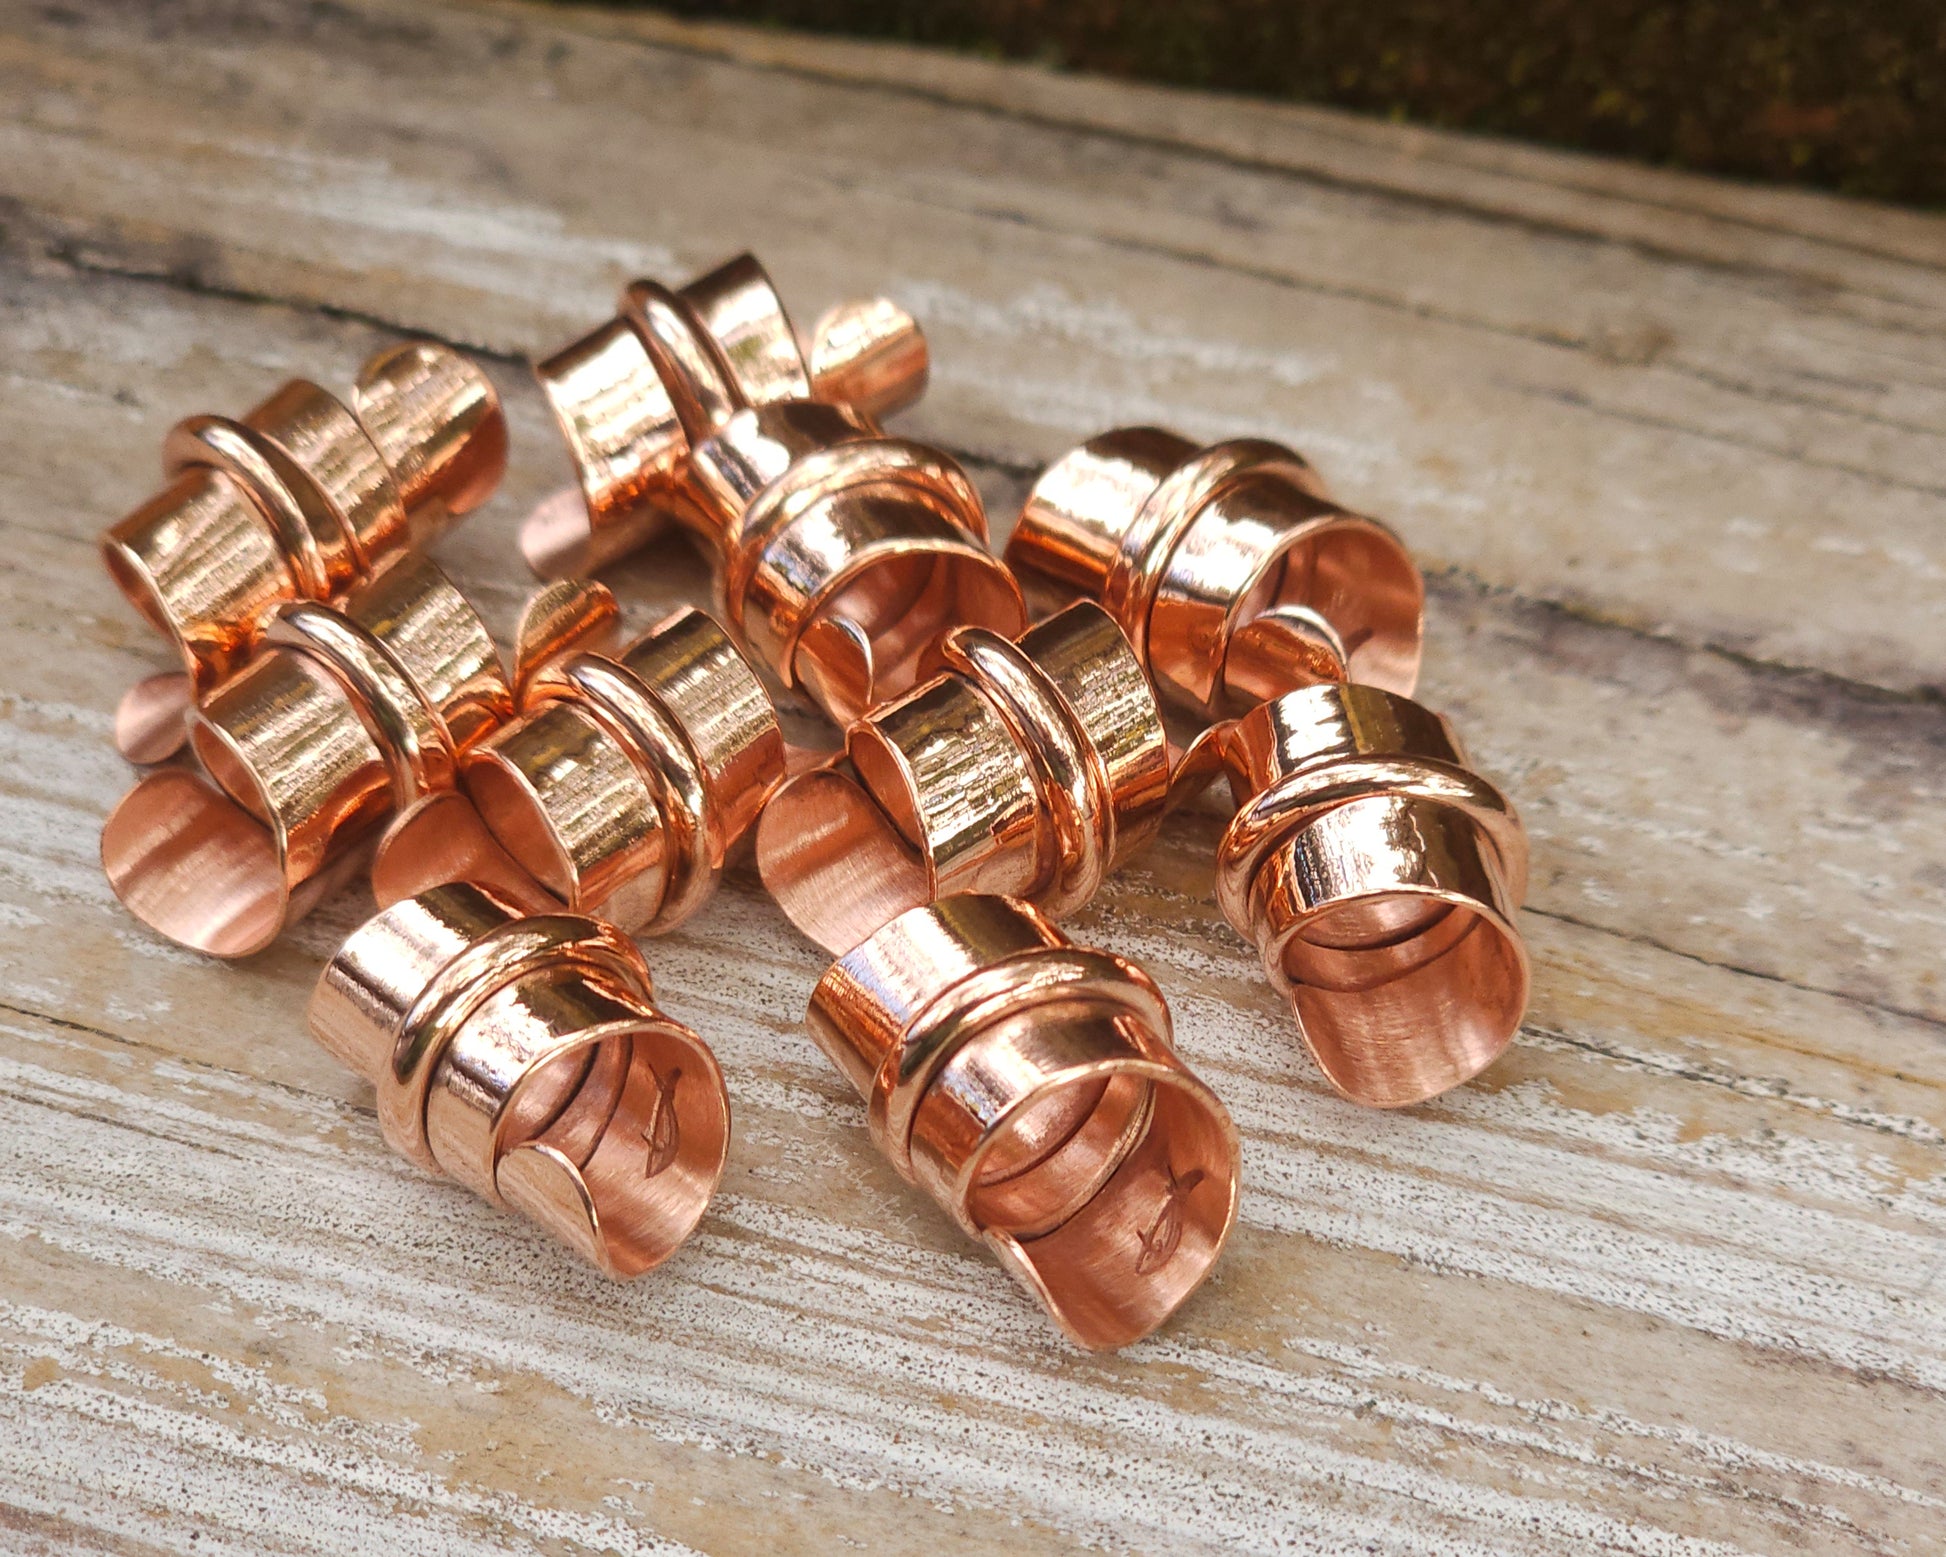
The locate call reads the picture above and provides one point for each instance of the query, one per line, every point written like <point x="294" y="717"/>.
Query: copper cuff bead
<point x="1378" y="876"/>
<point x="1029" y="1086"/>
<point x="1031" y="768"/>
<point x="634" y="395"/>
<point x="1230" y="568"/>
<point x="301" y="498"/>
<point x="342" y="715"/>
<point x="525" y="1058"/>
<point x="620" y="790"/>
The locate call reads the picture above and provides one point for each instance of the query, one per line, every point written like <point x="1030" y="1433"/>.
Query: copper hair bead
<point x="1029" y="1086"/>
<point x="1230" y="568"/>
<point x="343" y="714"/>
<point x="1031" y="768"/>
<point x="844" y="556"/>
<point x="1378" y="876"/>
<point x="626" y="781"/>
<point x="301" y="498"/>
<point x="525" y="1058"/>
<point x="631" y="396"/>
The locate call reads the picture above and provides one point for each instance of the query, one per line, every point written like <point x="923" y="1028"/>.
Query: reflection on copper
<point x="1030" y="768"/>
<point x="301" y="498"/>
<point x="1378" y="875"/>
<point x="634" y="395"/>
<point x="524" y="1057"/>
<point x="1029" y="1086"/>
<point x="630" y="775"/>
<point x="842" y="556"/>
<point x="1231" y="569"/>
<point x="343" y="714"/>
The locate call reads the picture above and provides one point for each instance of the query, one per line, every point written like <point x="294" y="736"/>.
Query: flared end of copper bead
<point x="436" y="421"/>
<point x="1029" y="1086"/>
<point x="1030" y="768"/>
<point x="1379" y="877"/>
<point x="1203" y="555"/>
<point x="620" y="792"/>
<point x="525" y="1058"/>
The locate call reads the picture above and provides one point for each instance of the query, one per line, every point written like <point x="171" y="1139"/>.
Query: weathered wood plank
<point x="1676" y="439"/>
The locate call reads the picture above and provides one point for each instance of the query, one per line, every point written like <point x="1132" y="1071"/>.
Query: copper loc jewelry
<point x="301" y="498"/>
<point x="623" y="786"/>
<point x="1378" y="876"/>
<point x="525" y="1057"/>
<point x="343" y="714"/>
<point x="1232" y="571"/>
<point x="1031" y="768"/>
<point x="676" y="363"/>
<point x="1029" y="1086"/>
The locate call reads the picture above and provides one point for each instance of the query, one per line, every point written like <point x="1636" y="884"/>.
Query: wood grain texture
<point x="1671" y="1279"/>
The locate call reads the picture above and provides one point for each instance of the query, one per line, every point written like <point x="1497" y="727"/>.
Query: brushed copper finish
<point x="524" y="1057"/>
<point x="343" y="714"/>
<point x="632" y="396"/>
<point x="1230" y="568"/>
<point x="1029" y="1086"/>
<point x="623" y="786"/>
<point x="1378" y="876"/>
<point x="1030" y="768"/>
<point x="302" y="498"/>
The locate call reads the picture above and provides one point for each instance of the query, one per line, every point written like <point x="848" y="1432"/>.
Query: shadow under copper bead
<point x="632" y="396"/>
<point x="342" y="715"/>
<point x="1030" y="768"/>
<point x="843" y="556"/>
<point x="524" y="1057"/>
<point x="1230" y="568"/>
<point x="301" y="498"/>
<point x="621" y="789"/>
<point x="1029" y="1086"/>
<point x="1379" y="877"/>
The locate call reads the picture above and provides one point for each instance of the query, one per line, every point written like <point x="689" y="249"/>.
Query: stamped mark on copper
<point x="1164" y="1234"/>
<point x="662" y="1133"/>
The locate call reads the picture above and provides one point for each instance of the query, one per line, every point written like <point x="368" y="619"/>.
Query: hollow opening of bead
<point x="877" y="634"/>
<point x="1403" y="995"/>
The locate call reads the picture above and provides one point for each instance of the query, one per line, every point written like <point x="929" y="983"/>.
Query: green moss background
<point x="1849" y="96"/>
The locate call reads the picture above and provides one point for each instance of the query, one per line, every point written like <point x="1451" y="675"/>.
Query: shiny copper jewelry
<point x="1230" y="568"/>
<point x="1378" y="875"/>
<point x="623" y="786"/>
<point x="843" y="556"/>
<point x="342" y="714"/>
<point x="630" y="397"/>
<point x="1031" y="768"/>
<point x="525" y="1057"/>
<point x="301" y="498"/>
<point x="1029" y="1086"/>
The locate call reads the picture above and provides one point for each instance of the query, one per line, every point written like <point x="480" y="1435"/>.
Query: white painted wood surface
<point x="1670" y="1279"/>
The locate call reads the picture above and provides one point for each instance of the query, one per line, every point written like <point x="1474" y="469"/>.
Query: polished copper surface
<point x="1029" y="1086"/>
<point x="524" y="1057"/>
<point x="623" y="786"/>
<point x="1230" y="568"/>
<point x="343" y="714"/>
<point x="1378" y="875"/>
<point x="634" y="395"/>
<point x="843" y="557"/>
<point x="1030" y="768"/>
<point x="302" y="498"/>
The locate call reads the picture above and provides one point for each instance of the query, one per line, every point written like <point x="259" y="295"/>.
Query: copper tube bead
<point x="1378" y="876"/>
<point x="843" y="556"/>
<point x="633" y="395"/>
<point x="301" y="498"/>
<point x="1030" y="768"/>
<point x="623" y="786"/>
<point x="343" y="714"/>
<point x="1029" y="1086"/>
<point x="524" y="1057"/>
<point x="1230" y="568"/>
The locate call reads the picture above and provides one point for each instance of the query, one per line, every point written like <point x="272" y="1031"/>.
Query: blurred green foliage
<point x="1847" y="94"/>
